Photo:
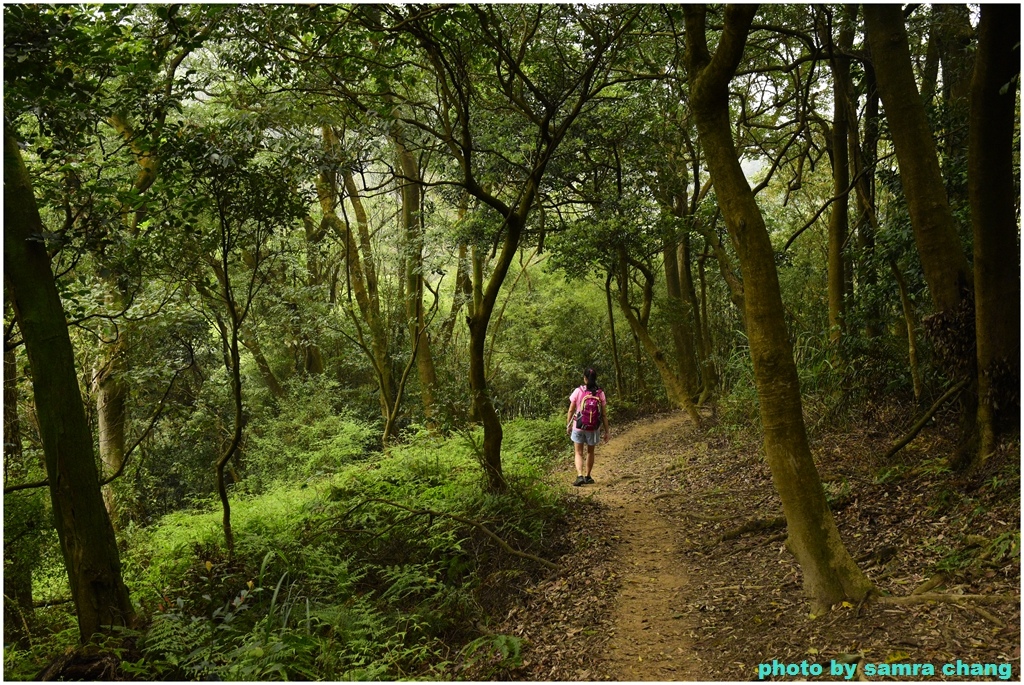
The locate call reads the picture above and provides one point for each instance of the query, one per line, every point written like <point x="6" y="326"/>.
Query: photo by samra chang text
<point x="957" y="669"/>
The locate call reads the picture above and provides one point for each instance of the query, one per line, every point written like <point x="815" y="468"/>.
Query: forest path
<point x="649" y="633"/>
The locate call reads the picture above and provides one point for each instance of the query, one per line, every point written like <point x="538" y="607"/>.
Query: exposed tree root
<point x="949" y="599"/>
<point x="929" y="584"/>
<point x="966" y="602"/>
<point x="983" y="613"/>
<point x="754" y="526"/>
<point x="78" y="664"/>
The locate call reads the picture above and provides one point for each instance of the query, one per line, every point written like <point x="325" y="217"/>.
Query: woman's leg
<point x="590" y="459"/>
<point x="578" y="446"/>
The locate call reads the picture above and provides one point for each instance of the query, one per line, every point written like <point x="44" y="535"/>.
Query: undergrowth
<point x="362" y="574"/>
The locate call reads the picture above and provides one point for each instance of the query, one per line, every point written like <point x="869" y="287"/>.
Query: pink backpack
<point x="589" y="416"/>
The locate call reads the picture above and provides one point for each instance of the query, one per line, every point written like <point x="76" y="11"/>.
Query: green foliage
<point x="26" y="663"/>
<point x="279" y="645"/>
<point x="489" y="656"/>
<point x="363" y="574"/>
<point x="974" y="554"/>
<point x="739" y="402"/>
<point x="890" y="474"/>
<point x="306" y="438"/>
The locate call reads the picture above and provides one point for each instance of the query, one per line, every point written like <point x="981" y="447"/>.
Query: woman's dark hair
<point x="591" y="376"/>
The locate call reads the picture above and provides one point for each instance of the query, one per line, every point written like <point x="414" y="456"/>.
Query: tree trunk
<point x="83" y="527"/>
<point x="362" y="279"/>
<point x="109" y="384"/>
<point x="360" y="274"/>
<point x="235" y="372"/>
<point x="942" y="257"/>
<point x="696" y="320"/>
<point x="680" y="323"/>
<point x="930" y="68"/>
<point x="412" y="222"/>
<point x="676" y="388"/>
<point x="709" y="373"/>
<point x="266" y="372"/>
<point x="483" y="307"/>
<point x="111" y="397"/>
<point x="864" y="154"/>
<point x="830" y="574"/>
<point x="839" y="219"/>
<point x="483" y="406"/>
<point x="951" y="326"/>
<point x="475" y="304"/>
<point x="910" y="320"/>
<point x="957" y="59"/>
<point x="316" y="277"/>
<point x="462" y="294"/>
<point x="994" y="220"/>
<point x="731" y="278"/>
<point x="615" y="345"/>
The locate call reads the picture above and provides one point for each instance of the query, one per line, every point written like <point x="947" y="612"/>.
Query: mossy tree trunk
<point x="680" y="321"/>
<point x="109" y="386"/>
<point x="83" y="527"/>
<point x="111" y="399"/>
<point x="412" y="223"/>
<point x="839" y="219"/>
<point x="994" y="219"/>
<point x="830" y="574"/>
<point x="483" y="306"/>
<point x="360" y="272"/>
<point x="945" y="266"/>
<point x="942" y="257"/>
<point x="675" y="386"/>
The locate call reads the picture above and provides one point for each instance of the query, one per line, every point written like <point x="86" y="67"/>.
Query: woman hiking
<point x="587" y="417"/>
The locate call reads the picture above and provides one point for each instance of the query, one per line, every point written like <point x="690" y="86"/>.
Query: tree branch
<point x="916" y="428"/>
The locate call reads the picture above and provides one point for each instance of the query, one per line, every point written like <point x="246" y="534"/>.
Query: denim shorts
<point x="586" y="437"/>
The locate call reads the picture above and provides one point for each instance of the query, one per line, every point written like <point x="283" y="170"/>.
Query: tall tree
<point x="943" y="261"/>
<point x="830" y="575"/>
<point x="942" y="256"/>
<point x="334" y="183"/>
<point x="494" y="76"/>
<point x="138" y="114"/>
<point x="245" y="193"/>
<point x="675" y="386"/>
<point x="995" y="221"/>
<point x="839" y="220"/>
<point x="411" y="190"/>
<point x="86" y="535"/>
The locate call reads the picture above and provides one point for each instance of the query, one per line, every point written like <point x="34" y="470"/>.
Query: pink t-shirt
<point x="576" y="398"/>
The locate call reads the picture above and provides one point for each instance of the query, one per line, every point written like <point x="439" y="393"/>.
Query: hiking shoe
<point x="588" y="480"/>
<point x="580" y="480"/>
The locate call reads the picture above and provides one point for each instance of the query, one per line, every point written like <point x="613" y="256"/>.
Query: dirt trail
<point x="649" y="632"/>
